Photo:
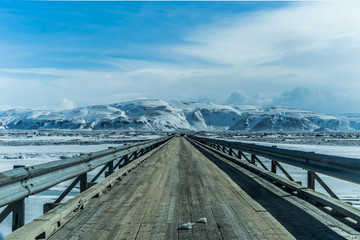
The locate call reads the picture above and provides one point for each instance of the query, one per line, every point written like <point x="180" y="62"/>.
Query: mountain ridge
<point x="159" y="115"/>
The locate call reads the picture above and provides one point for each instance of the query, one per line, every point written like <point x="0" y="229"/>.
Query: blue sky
<point x="61" y="55"/>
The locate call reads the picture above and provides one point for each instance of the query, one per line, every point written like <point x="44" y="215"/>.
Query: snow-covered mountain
<point x="158" y="115"/>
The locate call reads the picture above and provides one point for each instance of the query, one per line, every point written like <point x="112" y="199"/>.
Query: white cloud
<point x="67" y="104"/>
<point x="308" y="45"/>
<point x="239" y="97"/>
<point x="266" y="36"/>
<point x="318" y="101"/>
<point x="258" y="57"/>
<point x="126" y="82"/>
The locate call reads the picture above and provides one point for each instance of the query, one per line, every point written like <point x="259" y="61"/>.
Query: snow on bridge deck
<point x="180" y="184"/>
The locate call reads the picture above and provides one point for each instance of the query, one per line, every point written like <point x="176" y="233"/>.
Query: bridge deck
<point x="178" y="184"/>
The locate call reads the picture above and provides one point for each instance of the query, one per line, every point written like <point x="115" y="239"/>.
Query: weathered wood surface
<point x="176" y="185"/>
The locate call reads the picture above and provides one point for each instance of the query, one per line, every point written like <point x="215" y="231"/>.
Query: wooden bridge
<point x="182" y="181"/>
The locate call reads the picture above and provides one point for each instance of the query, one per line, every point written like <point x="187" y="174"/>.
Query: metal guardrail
<point x="21" y="182"/>
<point x="340" y="167"/>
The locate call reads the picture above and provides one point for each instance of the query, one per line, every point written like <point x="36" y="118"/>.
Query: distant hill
<point x="158" y="115"/>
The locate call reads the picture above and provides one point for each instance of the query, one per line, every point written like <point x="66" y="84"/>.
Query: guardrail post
<point x="253" y="158"/>
<point x="126" y="160"/>
<point x="83" y="182"/>
<point x="311" y="179"/>
<point x="18" y="214"/>
<point x="239" y="154"/>
<point x="273" y="166"/>
<point x="231" y="152"/>
<point x="18" y="210"/>
<point x="135" y="155"/>
<point x="110" y="168"/>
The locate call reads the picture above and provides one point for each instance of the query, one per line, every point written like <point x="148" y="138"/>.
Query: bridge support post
<point x="18" y="210"/>
<point x="142" y="152"/>
<point x="18" y="214"/>
<point x="253" y="158"/>
<point x="311" y="179"/>
<point x="145" y="150"/>
<point x="135" y="155"/>
<point x="239" y="154"/>
<point x="83" y="182"/>
<point x="231" y="152"/>
<point x="273" y="166"/>
<point x="126" y="160"/>
<point x="110" y="168"/>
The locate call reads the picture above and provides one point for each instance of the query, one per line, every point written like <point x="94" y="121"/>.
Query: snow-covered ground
<point x="36" y="147"/>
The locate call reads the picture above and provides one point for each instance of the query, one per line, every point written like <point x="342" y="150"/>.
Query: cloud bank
<point x="303" y="55"/>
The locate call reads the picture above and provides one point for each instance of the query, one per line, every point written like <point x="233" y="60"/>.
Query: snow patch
<point x="186" y="226"/>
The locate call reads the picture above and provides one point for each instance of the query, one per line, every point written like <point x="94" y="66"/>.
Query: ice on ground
<point x="201" y="220"/>
<point x="186" y="226"/>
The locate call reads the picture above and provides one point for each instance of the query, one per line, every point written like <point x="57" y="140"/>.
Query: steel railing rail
<point x="18" y="183"/>
<point x="340" y="167"/>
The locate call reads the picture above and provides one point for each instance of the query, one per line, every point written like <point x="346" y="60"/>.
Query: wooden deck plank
<point x="178" y="184"/>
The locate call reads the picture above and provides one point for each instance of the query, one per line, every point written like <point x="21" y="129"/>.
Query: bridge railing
<point x="344" y="168"/>
<point x="23" y="181"/>
<point x="340" y="167"/>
